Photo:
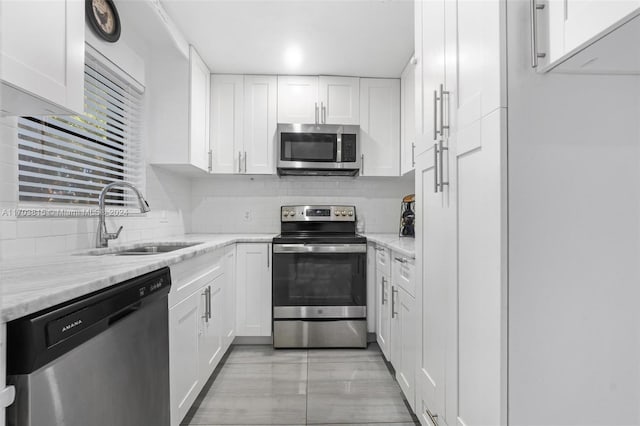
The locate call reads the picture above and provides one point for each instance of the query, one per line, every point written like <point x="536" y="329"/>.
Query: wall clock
<point x="103" y="19"/>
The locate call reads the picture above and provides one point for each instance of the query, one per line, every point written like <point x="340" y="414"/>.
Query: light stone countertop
<point x="406" y="246"/>
<point x="32" y="284"/>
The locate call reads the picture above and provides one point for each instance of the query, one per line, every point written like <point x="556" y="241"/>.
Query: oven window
<point x="319" y="279"/>
<point x="308" y="147"/>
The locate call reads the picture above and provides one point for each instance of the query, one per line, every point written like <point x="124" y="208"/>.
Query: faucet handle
<point x="113" y="235"/>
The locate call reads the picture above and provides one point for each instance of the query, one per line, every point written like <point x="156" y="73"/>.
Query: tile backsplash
<point x="252" y="203"/>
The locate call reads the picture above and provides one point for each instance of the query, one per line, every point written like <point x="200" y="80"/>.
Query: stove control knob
<point x="342" y="213"/>
<point x="350" y="212"/>
<point x="337" y="213"/>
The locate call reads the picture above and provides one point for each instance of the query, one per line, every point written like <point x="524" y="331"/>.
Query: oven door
<point x="319" y="280"/>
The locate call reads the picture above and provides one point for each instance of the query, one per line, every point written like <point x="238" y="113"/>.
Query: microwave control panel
<point x="349" y="154"/>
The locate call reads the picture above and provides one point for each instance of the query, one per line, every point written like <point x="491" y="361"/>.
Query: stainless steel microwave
<point x="318" y="150"/>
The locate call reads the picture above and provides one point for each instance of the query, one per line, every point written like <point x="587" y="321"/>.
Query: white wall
<point x="220" y="203"/>
<point x="574" y="244"/>
<point x="169" y="195"/>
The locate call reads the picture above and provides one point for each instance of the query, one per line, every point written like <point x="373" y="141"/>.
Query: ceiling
<point x="369" y="38"/>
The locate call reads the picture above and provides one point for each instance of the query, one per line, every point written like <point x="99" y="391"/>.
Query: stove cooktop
<point x="319" y="238"/>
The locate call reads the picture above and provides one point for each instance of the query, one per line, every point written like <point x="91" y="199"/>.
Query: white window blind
<point x="69" y="159"/>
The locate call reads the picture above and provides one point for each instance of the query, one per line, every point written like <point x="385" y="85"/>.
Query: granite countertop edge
<point x="404" y="246"/>
<point x="35" y="284"/>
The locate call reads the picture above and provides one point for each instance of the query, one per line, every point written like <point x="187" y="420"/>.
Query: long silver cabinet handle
<point x="210" y="160"/>
<point x="361" y="164"/>
<point x="239" y="162"/>
<point x="393" y="302"/>
<point x="316" y="106"/>
<point x="245" y="161"/>
<point x="435" y="115"/>
<point x="324" y="113"/>
<point x="441" y="168"/>
<point x="535" y="7"/>
<point x="382" y="290"/>
<point x="209" y="308"/>
<point x="401" y="259"/>
<point x="205" y="293"/>
<point x="413" y="154"/>
<point x="435" y="168"/>
<point x="443" y="93"/>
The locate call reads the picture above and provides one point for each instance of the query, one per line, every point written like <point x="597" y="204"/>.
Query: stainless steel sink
<point x="145" y="250"/>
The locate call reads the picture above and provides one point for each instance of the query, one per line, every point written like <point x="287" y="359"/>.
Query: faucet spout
<point x="102" y="236"/>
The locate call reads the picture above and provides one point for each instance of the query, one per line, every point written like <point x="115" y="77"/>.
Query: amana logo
<point x="70" y="326"/>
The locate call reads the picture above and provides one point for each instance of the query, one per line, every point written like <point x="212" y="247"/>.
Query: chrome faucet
<point x="102" y="236"/>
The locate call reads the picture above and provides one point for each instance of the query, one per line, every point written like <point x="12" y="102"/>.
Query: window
<point x="69" y="159"/>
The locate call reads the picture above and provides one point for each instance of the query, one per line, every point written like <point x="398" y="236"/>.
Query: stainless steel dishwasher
<point x="98" y="360"/>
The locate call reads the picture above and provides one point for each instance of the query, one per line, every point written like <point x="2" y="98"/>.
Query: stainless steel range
<point x="319" y="279"/>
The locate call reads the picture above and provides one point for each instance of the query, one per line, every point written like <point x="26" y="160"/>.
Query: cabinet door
<point x="395" y="343"/>
<point x="227" y="99"/>
<point x="229" y="296"/>
<point x="419" y="94"/>
<point x="253" y="268"/>
<point x="380" y="126"/>
<point x="433" y="69"/>
<point x="408" y="337"/>
<point x="211" y="327"/>
<point x="476" y="26"/>
<point x="184" y="330"/>
<point x="432" y="240"/>
<point x="481" y="227"/>
<point x="383" y="314"/>
<point x="585" y="19"/>
<point x="298" y="99"/>
<point x="260" y="121"/>
<point x="199" y="95"/>
<point x="339" y="100"/>
<point x="408" y="119"/>
<point x="42" y="57"/>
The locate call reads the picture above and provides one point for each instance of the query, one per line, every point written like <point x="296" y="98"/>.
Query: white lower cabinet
<point x="396" y="318"/>
<point x="201" y="324"/>
<point x="253" y="289"/>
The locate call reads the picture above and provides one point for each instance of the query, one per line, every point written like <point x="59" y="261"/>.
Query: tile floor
<point x="257" y="385"/>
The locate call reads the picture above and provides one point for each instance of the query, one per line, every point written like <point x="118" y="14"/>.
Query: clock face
<point x="103" y="17"/>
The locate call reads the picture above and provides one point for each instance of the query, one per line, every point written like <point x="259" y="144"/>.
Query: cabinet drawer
<point x="383" y="260"/>
<point x="403" y="273"/>
<point x="192" y="274"/>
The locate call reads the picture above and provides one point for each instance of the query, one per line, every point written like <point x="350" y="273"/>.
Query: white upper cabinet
<point x="298" y="99"/>
<point x="260" y="109"/>
<point x="199" y="81"/>
<point x="319" y="100"/>
<point x="587" y="36"/>
<point x="243" y="123"/>
<point x="380" y="126"/>
<point x="227" y="98"/>
<point x="339" y="100"/>
<point x="42" y="57"/>
<point x="408" y="119"/>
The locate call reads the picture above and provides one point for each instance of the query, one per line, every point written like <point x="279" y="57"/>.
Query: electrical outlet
<point x="247" y="216"/>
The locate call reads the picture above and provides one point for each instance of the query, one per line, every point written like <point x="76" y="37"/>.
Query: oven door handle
<point x="319" y="248"/>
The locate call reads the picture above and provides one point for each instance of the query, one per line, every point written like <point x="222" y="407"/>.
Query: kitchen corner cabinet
<point x="243" y="123"/>
<point x="42" y="57"/>
<point x="199" y="81"/>
<point x="408" y="119"/>
<point x="320" y="100"/>
<point x="253" y="289"/>
<point x="380" y="126"/>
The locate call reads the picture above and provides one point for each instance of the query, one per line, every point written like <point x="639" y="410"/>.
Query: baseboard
<point x="253" y="340"/>
<point x="371" y="337"/>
